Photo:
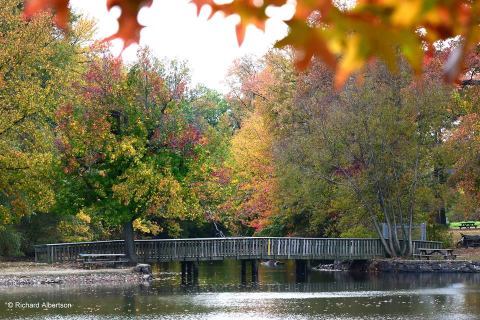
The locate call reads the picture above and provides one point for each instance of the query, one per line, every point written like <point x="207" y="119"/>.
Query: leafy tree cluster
<point x="91" y="147"/>
<point x="384" y="149"/>
<point x="138" y="146"/>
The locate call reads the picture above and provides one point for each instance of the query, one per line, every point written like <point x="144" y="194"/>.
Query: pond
<point x="219" y="294"/>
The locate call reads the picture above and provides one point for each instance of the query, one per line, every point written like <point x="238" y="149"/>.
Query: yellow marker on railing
<point x="268" y="246"/>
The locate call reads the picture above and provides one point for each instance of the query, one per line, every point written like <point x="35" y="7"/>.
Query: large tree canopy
<point x="137" y="144"/>
<point x="341" y="163"/>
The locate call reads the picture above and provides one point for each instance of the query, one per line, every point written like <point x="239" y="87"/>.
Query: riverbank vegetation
<point x="93" y="148"/>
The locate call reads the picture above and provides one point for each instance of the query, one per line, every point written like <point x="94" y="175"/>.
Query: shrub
<point x="437" y="232"/>
<point x="10" y="242"/>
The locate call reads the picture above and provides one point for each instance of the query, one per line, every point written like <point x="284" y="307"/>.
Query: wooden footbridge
<point x="249" y="250"/>
<point x="244" y="248"/>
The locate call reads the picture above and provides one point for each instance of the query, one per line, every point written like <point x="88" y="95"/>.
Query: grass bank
<point x="456" y="225"/>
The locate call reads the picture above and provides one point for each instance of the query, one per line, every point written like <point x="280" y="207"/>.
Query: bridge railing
<point x="257" y="248"/>
<point x="64" y="252"/>
<point x="227" y="248"/>
<point x="426" y="244"/>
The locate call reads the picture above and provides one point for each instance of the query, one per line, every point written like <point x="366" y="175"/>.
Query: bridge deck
<point x="203" y="249"/>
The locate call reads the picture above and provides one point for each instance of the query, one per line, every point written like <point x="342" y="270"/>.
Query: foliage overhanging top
<point x="343" y="35"/>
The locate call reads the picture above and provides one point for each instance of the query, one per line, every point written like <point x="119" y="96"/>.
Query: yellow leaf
<point x="351" y="61"/>
<point x="406" y="12"/>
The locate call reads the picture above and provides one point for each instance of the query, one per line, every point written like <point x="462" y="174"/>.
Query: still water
<point x="218" y="294"/>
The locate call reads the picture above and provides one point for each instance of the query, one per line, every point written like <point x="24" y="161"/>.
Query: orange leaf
<point x="250" y="12"/>
<point x="201" y="3"/>
<point x="59" y="8"/>
<point x="240" y="29"/>
<point x="128" y="26"/>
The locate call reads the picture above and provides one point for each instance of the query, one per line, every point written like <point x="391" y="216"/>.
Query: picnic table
<point x="467" y="225"/>
<point x="98" y="259"/>
<point x="427" y="253"/>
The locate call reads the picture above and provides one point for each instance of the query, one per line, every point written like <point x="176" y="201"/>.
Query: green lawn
<point x="456" y="225"/>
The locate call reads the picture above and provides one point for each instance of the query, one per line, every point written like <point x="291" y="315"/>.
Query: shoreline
<point x="423" y="266"/>
<point x="398" y="265"/>
<point x="29" y="274"/>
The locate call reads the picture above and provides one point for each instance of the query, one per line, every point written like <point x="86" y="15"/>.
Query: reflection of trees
<point x="334" y="282"/>
<point x="225" y="276"/>
<point x="425" y="280"/>
<point x="472" y="302"/>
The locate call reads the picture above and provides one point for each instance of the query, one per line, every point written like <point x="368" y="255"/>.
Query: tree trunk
<point x="441" y="179"/>
<point x="441" y="216"/>
<point x="128" y="237"/>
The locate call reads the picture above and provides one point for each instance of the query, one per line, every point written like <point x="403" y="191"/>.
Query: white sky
<point x="173" y="30"/>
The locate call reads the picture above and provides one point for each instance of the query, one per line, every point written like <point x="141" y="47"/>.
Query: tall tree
<point x="252" y="174"/>
<point x="463" y="143"/>
<point x="133" y="145"/>
<point x="37" y="63"/>
<point x="375" y="141"/>
<point x="370" y="152"/>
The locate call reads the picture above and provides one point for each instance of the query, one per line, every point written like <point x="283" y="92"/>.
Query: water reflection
<point x="219" y="294"/>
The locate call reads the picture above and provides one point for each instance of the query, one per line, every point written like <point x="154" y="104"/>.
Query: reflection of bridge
<point x="189" y="251"/>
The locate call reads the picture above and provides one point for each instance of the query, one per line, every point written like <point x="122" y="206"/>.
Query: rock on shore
<point x="143" y="268"/>
<point x="419" y="266"/>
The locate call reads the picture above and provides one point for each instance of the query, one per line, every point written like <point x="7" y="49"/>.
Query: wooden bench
<point x="427" y="253"/>
<point x="467" y="225"/>
<point x="102" y="259"/>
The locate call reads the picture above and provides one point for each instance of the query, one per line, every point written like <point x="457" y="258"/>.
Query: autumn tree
<point x="134" y="145"/>
<point x="251" y="164"/>
<point x="346" y="161"/>
<point x="252" y="175"/>
<point x="243" y="88"/>
<point x="304" y="203"/>
<point x="37" y="63"/>
<point x="462" y="144"/>
<point x="374" y="143"/>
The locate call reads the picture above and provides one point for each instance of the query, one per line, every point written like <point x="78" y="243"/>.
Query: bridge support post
<point x="243" y="272"/>
<point x="189" y="272"/>
<point x="302" y="267"/>
<point x="254" y="271"/>
<point x="184" y="269"/>
<point x="195" y="270"/>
